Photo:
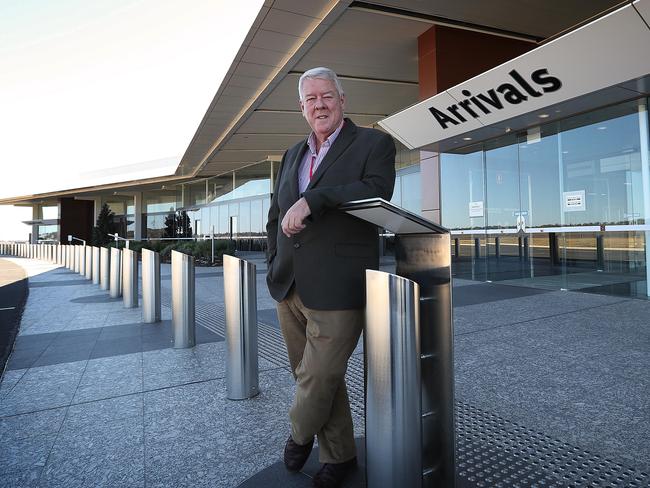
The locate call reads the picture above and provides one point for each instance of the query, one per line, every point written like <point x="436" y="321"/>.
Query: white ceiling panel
<point x="270" y="142"/>
<point x="362" y="96"/>
<point x="392" y="56"/>
<point x="266" y="57"/>
<point x="261" y="122"/>
<point x="290" y="23"/>
<point x="277" y="41"/>
<point x="232" y="156"/>
<point x="530" y="17"/>
<point x="313" y="8"/>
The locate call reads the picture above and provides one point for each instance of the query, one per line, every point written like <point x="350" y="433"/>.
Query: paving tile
<point x="22" y="478"/>
<point x="109" y="377"/>
<point x="26" y="453"/>
<point x="21" y="361"/>
<point x="119" y="331"/>
<point x="101" y="412"/>
<point x="107" y="455"/>
<point x="154" y="362"/>
<point x="63" y="355"/>
<point x="10" y="379"/>
<point x="31" y="424"/>
<point x="118" y="346"/>
<point x="42" y="388"/>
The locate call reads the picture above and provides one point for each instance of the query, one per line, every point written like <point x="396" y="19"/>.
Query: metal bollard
<point x="70" y="257"/>
<point x="104" y="268"/>
<point x="183" y="312"/>
<point x="150" y="286"/>
<point x="89" y="262"/>
<point x="75" y="258"/>
<point x="82" y="260"/>
<point x="116" y="273"/>
<point x="240" y="293"/>
<point x="130" y="278"/>
<point x="393" y="389"/>
<point x="95" y="272"/>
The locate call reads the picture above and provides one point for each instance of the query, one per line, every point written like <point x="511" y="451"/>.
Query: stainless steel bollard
<point x="129" y="278"/>
<point x="75" y="258"/>
<point x="96" y="262"/>
<point x="116" y="273"/>
<point x="70" y="257"/>
<point x="104" y="268"/>
<point x="82" y="260"/>
<point x="393" y="390"/>
<point x="183" y="312"/>
<point x="150" y="286"/>
<point x="89" y="262"/>
<point x="240" y="294"/>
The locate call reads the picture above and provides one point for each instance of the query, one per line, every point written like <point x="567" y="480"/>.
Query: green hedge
<point x="201" y="250"/>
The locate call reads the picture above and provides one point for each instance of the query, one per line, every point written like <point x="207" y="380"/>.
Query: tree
<point x="178" y="225"/>
<point x="183" y="225"/>
<point x="104" y="226"/>
<point x="170" y="225"/>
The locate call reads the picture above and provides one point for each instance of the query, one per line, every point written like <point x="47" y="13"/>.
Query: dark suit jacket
<point x="327" y="260"/>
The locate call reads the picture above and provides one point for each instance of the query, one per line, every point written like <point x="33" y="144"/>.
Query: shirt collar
<point x="311" y="140"/>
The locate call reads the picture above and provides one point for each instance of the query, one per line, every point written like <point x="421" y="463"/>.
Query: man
<point x="317" y="261"/>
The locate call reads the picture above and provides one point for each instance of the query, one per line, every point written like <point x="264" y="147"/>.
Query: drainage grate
<point x="491" y="452"/>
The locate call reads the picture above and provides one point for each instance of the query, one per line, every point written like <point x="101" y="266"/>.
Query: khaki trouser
<point x="320" y="343"/>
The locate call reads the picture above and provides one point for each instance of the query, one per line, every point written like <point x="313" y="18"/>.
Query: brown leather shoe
<point x="295" y="455"/>
<point x="332" y="475"/>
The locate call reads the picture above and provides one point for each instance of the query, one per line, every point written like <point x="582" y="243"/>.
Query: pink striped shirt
<point x="305" y="165"/>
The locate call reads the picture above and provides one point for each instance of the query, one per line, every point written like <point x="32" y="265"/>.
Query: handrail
<point x="71" y="238"/>
<point x="118" y="238"/>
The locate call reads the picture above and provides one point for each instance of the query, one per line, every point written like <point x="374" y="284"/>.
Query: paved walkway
<point x="549" y="385"/>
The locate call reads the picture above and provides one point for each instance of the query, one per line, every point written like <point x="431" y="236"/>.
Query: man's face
<point x="322" y="106"/>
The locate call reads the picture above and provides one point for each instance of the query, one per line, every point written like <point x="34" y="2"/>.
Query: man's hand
<point x="292" y="223"/>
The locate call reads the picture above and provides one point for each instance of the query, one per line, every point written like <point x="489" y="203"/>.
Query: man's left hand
<point x="292" y="223"/>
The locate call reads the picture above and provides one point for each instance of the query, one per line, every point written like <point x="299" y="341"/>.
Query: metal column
<point x="240" y="299"/>
<point x="393" y="391"/>
<point x="116" y="273"/>
<point x="183" y="312"/>
<point x="77" y="255"/>
<point x="408" y="352"/>
<point x="82" y="260"/>
<point x="130" y="278"/>
<point x="150" y="286"/>
<point x="426" y="260"/>
<point x="96" y="262"/>
<point x="88" y="250"/>
<point x="104" y="268"/>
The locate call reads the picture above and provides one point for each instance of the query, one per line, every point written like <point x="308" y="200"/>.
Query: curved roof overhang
<point x="254" y="115"/>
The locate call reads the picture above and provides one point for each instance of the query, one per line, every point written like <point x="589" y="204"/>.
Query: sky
<point x="91" y="85"/>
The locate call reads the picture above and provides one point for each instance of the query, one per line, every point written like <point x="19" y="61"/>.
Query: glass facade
<point x="562" y="205"/>
<point x="234" y="204"/>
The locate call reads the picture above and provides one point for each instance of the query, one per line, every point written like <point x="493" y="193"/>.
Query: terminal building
<point x="522" y="127"/>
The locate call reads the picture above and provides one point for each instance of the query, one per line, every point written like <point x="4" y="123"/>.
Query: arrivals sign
<point x="516" y="90"/>
<point x="609" y="51"/>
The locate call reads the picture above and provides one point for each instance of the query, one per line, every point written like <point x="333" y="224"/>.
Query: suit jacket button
<point x="296" y="245"/>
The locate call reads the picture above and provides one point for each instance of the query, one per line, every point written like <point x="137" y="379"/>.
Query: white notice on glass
<point x="574" y="201"/>
<point x="476" y="209"/>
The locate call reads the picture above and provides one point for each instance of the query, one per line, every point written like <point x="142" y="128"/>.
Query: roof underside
<point x="255" y="115"/>
<point x="371" y="45"/>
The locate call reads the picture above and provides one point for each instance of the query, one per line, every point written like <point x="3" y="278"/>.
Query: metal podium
<point x="408" y="345"/>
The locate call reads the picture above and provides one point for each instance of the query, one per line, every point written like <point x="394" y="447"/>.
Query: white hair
<point x="321" y="74"/>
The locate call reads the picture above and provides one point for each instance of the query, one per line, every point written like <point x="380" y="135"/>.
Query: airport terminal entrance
<point x="559" y="206"/>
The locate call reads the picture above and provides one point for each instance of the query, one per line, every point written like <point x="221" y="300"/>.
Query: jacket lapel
<point x="344" y="139"/>
<point x="293" y="170"/>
